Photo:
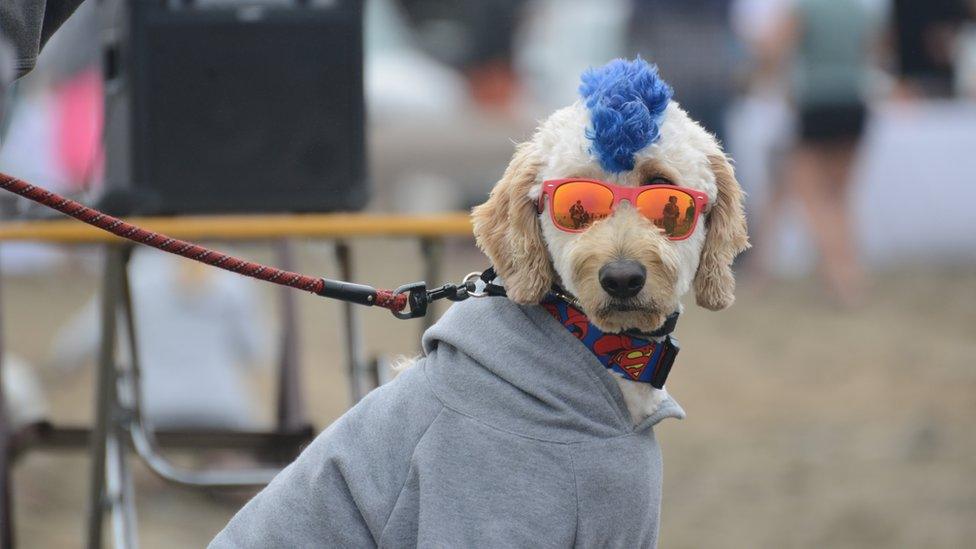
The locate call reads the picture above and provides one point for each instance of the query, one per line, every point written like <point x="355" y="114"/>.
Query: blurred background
<point x="832" y="406"/>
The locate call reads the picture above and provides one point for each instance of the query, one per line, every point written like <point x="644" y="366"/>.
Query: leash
<point x="407" y="301"/>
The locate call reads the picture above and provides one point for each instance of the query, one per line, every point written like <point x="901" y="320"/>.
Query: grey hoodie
<point x="507" y="433"/>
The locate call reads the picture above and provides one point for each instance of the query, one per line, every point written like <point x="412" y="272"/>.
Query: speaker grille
<point x="256" y="115"/>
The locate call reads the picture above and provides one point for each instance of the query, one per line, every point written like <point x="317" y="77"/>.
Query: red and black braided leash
<point x="358" y="293"/>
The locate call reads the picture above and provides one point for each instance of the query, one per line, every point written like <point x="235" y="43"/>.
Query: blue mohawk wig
<point x="626" y="100"/>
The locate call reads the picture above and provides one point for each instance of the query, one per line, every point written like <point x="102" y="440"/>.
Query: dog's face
<point x="530" y="253"/>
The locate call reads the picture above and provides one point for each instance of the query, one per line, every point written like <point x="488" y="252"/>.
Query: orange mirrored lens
<point x="578" y="204"/>
<point x="671" y="210"/>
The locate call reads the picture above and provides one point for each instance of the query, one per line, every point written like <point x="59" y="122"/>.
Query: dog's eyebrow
<point x="648" y="181"/>
<point x="650" y="169"/>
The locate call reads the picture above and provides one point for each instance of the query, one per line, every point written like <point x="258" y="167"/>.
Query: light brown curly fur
<point x="506" y="228"/>
<point x="725" y="239"/>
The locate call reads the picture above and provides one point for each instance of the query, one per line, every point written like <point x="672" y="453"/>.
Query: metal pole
<point x="6" y="489"/>
<point x="105" y="395"/>
<point x="290" y="412"/>
<point x="359" y="383"/>
<point x="119" y="483"/>
<point x="432" y="250"/>
<point x="119" y="492"/>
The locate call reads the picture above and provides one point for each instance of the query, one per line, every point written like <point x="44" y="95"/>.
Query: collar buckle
<point x="669" y="352"/>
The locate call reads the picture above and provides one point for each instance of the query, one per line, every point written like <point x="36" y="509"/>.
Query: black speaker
<point x="233" y="106"/>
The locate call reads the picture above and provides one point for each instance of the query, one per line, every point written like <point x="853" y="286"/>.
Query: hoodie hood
<point x="514" y="367"/>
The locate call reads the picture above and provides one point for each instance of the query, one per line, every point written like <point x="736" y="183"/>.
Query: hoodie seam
<point x="479" y="421"/>
<point x="484" y="423"/>
<point x="572" y="463"/>
<point x="406" y="477"/>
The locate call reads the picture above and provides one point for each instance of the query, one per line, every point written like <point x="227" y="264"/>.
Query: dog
<point x="508" y="432"/>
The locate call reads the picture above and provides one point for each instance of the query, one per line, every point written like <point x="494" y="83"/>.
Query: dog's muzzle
<point x="623" y="278"/>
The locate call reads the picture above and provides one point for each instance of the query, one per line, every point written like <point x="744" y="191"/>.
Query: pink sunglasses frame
<point x="620" y="193"/>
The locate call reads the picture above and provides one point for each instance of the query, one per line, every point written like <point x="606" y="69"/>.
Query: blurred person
<point x="966" y="61"/>
<point x="761" y="123"/>
<point x="924" y="36"/>
<point x="198" y="330"/>
<point x="689" y="214"/>
<point x="578" y="214"/>
<point x="22" y="392"/>
<point x="475" y="37"/>
<point x="401" y="80"/>
<point x="671" y="213"/>
<point x="690" y="41"/>
<point x="826" y="48"/>
<point x="561" y="38"/>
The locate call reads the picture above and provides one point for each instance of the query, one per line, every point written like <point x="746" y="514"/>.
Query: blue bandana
<point x="632" y="357"/>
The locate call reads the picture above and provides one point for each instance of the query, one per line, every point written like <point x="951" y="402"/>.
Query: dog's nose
<point x="623" y="278"/>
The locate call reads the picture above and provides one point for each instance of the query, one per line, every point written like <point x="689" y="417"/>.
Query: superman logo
<point x="622" y="352"/>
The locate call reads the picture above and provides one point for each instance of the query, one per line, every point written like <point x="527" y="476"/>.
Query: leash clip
<point x="417" y="300"/>
<point x="450" y="292"/>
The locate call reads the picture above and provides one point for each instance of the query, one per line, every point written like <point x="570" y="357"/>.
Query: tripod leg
<point x="432" y="250"/>
<point x="290" y="412"/>
<point x="119" y="482"/>
<point x="105" y="393"/>
<point x="119" y="491"/>
<point x="6" y="496"/>
<point x="360" y="381"/>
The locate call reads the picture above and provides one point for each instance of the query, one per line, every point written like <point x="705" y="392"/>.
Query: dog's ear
<point x="725" y="238"/>
<point x="506" y="228"/>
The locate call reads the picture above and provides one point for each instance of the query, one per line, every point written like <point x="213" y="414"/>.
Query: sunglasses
<point x="575" y="204"/>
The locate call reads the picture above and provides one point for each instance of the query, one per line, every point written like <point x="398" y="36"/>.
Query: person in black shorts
<point x="832" y="123"/>
<point x="825" y="47"/>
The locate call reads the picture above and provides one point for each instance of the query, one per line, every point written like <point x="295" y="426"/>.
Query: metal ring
<point x="473" y="278"/>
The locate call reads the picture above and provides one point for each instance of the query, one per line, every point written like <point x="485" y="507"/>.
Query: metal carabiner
<point x="417" y="300"/>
